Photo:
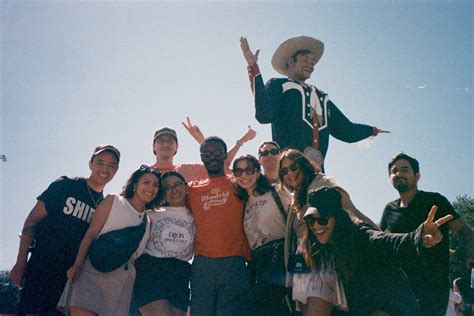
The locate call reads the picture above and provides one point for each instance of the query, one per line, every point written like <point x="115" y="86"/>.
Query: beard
<point x="402" y="187"/>
<point x="214" y="168"/>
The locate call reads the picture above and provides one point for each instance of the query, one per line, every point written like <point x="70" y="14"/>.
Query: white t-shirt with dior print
<point x="172" y="233"/>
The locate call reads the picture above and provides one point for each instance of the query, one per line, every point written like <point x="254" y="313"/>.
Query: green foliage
<point x="464" y="205"/>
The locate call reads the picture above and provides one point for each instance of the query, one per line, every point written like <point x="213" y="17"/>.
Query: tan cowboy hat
<point x="289" y="47"/>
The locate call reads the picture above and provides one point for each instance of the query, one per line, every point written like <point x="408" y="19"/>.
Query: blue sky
<point x="75" y="74"/>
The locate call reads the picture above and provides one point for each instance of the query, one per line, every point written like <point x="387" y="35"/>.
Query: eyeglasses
<point x="271" y="152"/>
<point x="293" y="167"/>
<point x="238" y="172"/>
<point x="212" y="154"/>
<point x="178" y="186"/>
<point x="150" y="169"/>
<point x="323" y="221"/>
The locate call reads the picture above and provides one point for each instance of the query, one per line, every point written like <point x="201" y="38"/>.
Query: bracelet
<point x="240" y="143"/>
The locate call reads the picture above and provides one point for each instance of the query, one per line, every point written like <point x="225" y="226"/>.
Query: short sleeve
<point x="444" y="207"/>
<point x="52" y="195"/>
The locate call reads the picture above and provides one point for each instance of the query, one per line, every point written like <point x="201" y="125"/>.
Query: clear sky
<point x="75" y="74"/>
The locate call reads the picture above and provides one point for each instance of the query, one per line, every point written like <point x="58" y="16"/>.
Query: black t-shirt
<point x="434" y="274"/>
<point x="70" y="205"/>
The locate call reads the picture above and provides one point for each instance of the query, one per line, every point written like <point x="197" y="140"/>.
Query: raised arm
<point x="196" y="133"/>
<point x="249" y="56"/>
<point x="27" y="235"/>
<point x="249" y="135"/>
<point x="193" y="130"/>
<point x="268" y="98"/>
<point x="97" y="223"/>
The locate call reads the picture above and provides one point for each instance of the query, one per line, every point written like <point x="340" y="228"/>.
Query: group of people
<point x="269" y="234"/>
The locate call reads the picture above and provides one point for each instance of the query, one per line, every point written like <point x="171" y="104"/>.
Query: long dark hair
<point x="308" y="170"/>
<point x="262" y="185"/>
<point x="341" y="245"/>
<point x="129" y="189"/>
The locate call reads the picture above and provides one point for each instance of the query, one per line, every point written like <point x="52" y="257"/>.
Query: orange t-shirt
<point x="218" y="217"/>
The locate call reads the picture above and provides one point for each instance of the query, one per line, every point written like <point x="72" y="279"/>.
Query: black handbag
<point x="270" y="260"/>
<point x="112" y="250"/>
<point x="269" y="263"/>
<point x="296" y="262"/>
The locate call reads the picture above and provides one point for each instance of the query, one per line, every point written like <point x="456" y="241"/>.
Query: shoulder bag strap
<point x="278" y="202"/>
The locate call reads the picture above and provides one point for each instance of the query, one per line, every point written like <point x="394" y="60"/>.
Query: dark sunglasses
<point x="150" y="169"/>
<point x="248" y="171"/>
<point x="323" y="221"/>
<point x="284" y="171"/>
<point x="271" y="152"/>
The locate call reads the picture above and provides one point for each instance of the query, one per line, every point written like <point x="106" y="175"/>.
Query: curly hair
<point x="128" y="190"/>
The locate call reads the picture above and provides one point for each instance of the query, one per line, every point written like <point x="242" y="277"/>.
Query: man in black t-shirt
<point x="54" y="229"/>
<point x="429" y="281"/>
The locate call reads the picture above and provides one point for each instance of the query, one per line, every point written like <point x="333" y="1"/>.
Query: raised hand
<point x="249" y="56"/>
<point x="193" y="130"/>
<point x="249" y="135"/>
<point x="431" y="233"/>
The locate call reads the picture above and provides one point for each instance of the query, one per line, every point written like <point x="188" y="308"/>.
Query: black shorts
<point x="42" y="289"/>
<point x="162" y="279"/>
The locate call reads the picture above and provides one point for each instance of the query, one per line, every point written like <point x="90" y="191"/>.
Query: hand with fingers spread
<point x="249" y="56"/>
<point x="193" y="130"/>
<point x="431" y="233"/>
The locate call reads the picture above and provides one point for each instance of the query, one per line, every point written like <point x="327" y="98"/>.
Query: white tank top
<point x="122" y="215"/>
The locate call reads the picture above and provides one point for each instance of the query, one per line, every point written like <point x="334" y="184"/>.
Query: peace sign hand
<point x="431" y="233"/>
<point x="194" y="130"/>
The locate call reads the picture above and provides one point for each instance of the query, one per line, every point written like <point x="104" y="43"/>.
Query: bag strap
<point x="142" y="226"/>
<point x="67" y="312"/>
<point x="278" y="202"/>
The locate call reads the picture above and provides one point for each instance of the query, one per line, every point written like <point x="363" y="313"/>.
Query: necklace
<point x="95" y="202"/>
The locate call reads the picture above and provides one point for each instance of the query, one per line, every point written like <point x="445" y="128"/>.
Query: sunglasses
<point x="323" y="221"/>
<point x="271" y="152"/>
<point x="284" y="171"/>
<point x="238" y="172"/>
<point x="150" y="169"/>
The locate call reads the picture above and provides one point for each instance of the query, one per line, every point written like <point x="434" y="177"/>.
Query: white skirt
<point x="102" y="293"/>
<point x="323" y="283"/>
